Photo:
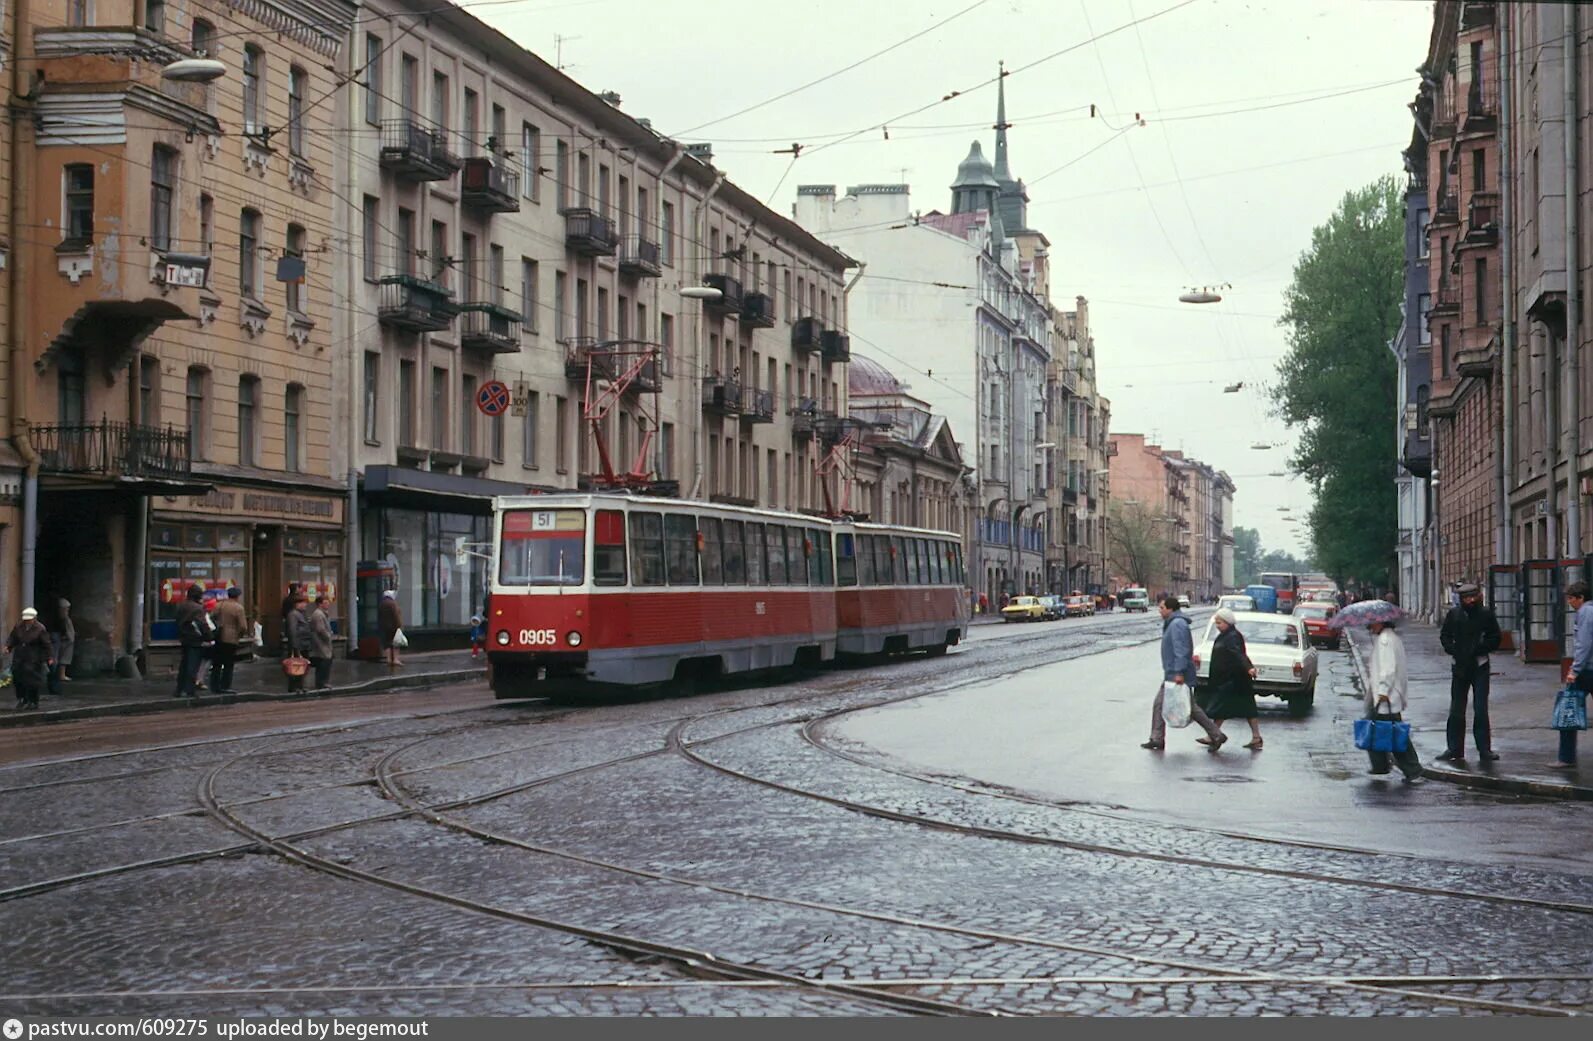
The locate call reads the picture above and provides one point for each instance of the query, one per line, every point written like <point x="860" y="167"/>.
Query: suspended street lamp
<point x="194" y="70"/>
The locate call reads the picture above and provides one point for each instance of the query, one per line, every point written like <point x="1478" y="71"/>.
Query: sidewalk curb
<point x="1489" y="781"/>
<point x="380" y="685"/>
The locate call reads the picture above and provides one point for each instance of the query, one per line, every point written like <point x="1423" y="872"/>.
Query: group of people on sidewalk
<point x="1470" y="634"/>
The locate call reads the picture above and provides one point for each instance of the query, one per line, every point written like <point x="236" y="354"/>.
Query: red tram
<point x="612" y="591"/>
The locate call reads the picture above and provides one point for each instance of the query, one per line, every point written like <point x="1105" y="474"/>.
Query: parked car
<point x="1080" y="606"/>
<point x="1183" y="601"/>
<point x="1024" y="609"/>
<point x="1315" y="615"/>
<point x="1135" y="598"/>
<point x="1280" y="650"/>
<point x="1236" y="602"/>
<point x="1055" y="607"/>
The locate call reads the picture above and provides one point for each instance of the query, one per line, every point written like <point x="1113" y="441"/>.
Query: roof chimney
<point x="611" y="97"/>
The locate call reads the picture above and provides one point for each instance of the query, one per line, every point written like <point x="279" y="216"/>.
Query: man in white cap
<point x="29" y="644"/>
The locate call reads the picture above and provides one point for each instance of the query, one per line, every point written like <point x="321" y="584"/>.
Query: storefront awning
<point x="135" y="486"/>
<point x="422" y="489"/>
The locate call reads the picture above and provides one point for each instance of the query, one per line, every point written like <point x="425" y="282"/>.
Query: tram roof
<point x="553" y="500"/>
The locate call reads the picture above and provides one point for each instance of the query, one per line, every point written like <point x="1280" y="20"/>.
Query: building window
<point x="1423" y="219"/>
<point x="439" y="101"/>
<point x="561" y="328"/>
<point x="499" y="142"/>
<point x="528" y="294"/>
<point x="197" y="395"/>
<point x="666" y="232"/>
<point x="666" y="343"/>
<point x="409" y="85"/>
<point x="155" y="16"/>
<point x="467" y="415"/>
<point x="248" y="420"/>
<point x="298" y="81"/>
<point x="472" y="120"/>
<point x="1479" y="170"/>
<point x="373" y="78"/>
<point x="495" y="275"/>
<point x="249" y="254"/>
<point x="530" y="149"/>
<point x="406" y="404"/>
<point x="1480" y="294"/>
<point x="162" y="182"/>
<point x="207" y="224"/>
<point x="292" y="418"/>
<point x="602" y="313"/>
<point x="439" y="253"/>
<point x="253" y="74"/>
<point x="78" y="188"/>
<point x="495" y="424"/>
<point x="561" y="174"/>
<point x="149" y="391"/>
<point x="372" y="228"/>
<point x="373" y="383"/>
<point x="469" y="279"/>
<point x="79" y="12"/>
<point x="294" y="288"/>
<point x="1423" y="395"/>
<point x="1443" y="353"/>
<point x="1424" y="304"/>
<point x="439" y="409"/>
<point x="405" y="261"/>
<point x="71" y="387"/>
<point x="528" y="434"/>
<point x="561" y="434"/>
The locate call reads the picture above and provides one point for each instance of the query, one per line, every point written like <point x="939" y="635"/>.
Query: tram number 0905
<point x="539" y="637"/>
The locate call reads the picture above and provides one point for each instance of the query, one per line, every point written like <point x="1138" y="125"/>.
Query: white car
<point x="1236" y="602"/>
<point x="1280" y="650"/>
<point x="1183" y="601"/>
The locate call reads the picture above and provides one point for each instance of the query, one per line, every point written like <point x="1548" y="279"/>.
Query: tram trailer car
<point x="898" y="590"/>
<point x="609" y="592"/>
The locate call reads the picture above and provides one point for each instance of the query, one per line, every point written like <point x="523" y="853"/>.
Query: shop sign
<point x="239" y="502"/>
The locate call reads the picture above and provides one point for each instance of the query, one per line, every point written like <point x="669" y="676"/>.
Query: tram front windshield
<point x="542" y="548"/>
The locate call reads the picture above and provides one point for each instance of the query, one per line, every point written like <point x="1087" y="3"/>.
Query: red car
<point x="1315" y="615"/>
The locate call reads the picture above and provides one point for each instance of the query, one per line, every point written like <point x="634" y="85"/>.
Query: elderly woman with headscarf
<point x="1232" y="695"/>
<point x="31" y="658"/>
<point x="389" y="623"/>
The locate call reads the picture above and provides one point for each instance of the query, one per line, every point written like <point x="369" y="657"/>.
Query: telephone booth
<point x="1504" y="596"/>
<point x="1570" y="571"/>
<point x="374" y="577"/>
<point x="1543" y="621"/>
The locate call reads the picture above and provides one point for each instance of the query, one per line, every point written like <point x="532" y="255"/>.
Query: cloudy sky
<point x="1258" y="117"/>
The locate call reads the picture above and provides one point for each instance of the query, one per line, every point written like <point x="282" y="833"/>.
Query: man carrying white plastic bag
<point x="1173" y="698"/>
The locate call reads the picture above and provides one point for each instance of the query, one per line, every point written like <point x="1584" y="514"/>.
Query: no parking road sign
<point x="493" y="398"/>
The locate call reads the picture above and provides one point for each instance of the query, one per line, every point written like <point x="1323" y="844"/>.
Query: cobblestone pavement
<point x="741" y="828"/>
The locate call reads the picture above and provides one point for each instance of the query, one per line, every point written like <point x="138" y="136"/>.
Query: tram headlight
<point x="503" y="637"/>
<point x="574" y="638"/>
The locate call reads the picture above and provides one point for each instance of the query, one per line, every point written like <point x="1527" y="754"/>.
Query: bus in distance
<point x="1287" y="586"/>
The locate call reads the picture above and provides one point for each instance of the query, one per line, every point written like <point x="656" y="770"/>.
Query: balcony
<point x="640" y="257"/>
<point x="112" y="449"/>
<point x="729" y="301"/>
<point x="414" y="304"/>
<point x="807" y="334"/>
<point x="586" y="354"/>
<point x="648" y="379"/>
<point x="590" y="235"/>
<point x="835" y="346"/>
<point x="1448" y="303"/>
<point x="489" y="328"/>
<point x="1477" y="360"/>
<point x="757" y="406"/>
<point x="489" y="186"/>
<point x="805" y="415"/>
<point x="1482" y="106"/>
<point x="1476" y="15"/>
<point x="1448" y="209"/>
<point x="1482" y="219"/>
<point x="416" y="152"/>
<point x="757" y="309"/>
<point x="1444" y="110"/>
<point x="721" y="396"/>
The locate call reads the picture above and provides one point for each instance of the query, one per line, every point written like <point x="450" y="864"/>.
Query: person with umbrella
<point x="1470" y="634"/>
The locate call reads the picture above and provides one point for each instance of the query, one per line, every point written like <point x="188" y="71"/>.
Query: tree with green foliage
<point x="1246" y="556"/>
<point x="1339" y="380"/>
<point x="1137" y="544"/>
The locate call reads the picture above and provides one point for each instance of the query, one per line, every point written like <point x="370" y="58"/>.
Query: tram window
<point x="825" y="553"/>
<point x="865" y="560"/>
<point x="680" y="545"/>
<point x="918" y="575"/>
<point x="542" y="548"/>
<point x="735" y="554"/>
<point x="882" y="560"/>
<point x="647" y="548"/>
<point x="937" y="550"/>
<point x="776" y="545"/>
<point x="798" y="561"/>
<point x="962" y="574"/>
<point x="608" y="548"/>
<point x="754" y="546"/>
<point x="845" y="559"/>
<point x="900" y="569"/>
<point x="932" y="562"/>
<point x="713" y="573"/>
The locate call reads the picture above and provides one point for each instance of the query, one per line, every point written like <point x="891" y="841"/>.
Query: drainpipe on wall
<point x="353" y="364"/>
<point x="700" y="234"/>
<point x="21" y="304"/>
<point x="1504" y="540"/>
<point x="1573" y="290"/>
<point x="658" y="304"/>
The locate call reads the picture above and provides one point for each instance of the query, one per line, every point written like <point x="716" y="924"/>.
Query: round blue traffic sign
<point x="493" y="398"/>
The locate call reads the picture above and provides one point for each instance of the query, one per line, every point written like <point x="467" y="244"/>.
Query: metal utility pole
<point x="1505" y="541"/>
<point x="1573" y="289"/>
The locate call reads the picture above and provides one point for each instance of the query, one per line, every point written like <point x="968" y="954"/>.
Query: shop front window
<point x="440" y="582"/>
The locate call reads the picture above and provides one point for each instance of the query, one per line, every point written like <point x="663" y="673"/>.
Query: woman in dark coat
<point x="389" y="620"/>
<point x="1232" y="695"/>
<point x="31" y="658"/>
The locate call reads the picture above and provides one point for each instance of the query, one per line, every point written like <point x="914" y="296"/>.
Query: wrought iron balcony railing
<point x="490" y="185"/>
<point x="589" y="233"/>
<point x="416" y="151"/>
<point x="113" y="449"/>
<point x="640" y="257"/>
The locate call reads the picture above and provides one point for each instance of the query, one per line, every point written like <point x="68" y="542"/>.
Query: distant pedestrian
<point x="288" y="602"/>
<point x="207" y="659"/>
<point x="191" y="635"/>
<point x="1178" y="666"/>
<point x="63" y="641"/>
<point x="1580" y="673"/>
<point x="321" y="642"/>
<point x="1469" y="635"/>
<point x="29" y="644"/>
<point x="389" y="623"/>
<point x="301" y="641"/>
<point x="478" y="637"/>
<point x="231" y="626"/>
<point x="1233" y="693"/>
<point x="1386" y="696"/>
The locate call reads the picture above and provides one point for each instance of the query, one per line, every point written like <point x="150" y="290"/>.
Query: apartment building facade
<point x="1078" y="488"/>
<point x="910" y="468"/>
<point x="1185" y="505"/>
<point x="514" y="228"/>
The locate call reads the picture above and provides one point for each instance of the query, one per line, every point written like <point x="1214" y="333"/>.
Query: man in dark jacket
<point x="1178" y="666"/>
<point x="191" y="634"/>
<point x="1469" y="635"/>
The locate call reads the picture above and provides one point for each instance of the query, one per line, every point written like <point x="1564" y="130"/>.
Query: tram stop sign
<point x="493" y="398"/>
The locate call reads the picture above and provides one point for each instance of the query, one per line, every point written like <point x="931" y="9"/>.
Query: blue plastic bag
<point x="1570" y="710"/>
<point x="1381" y="735"/>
